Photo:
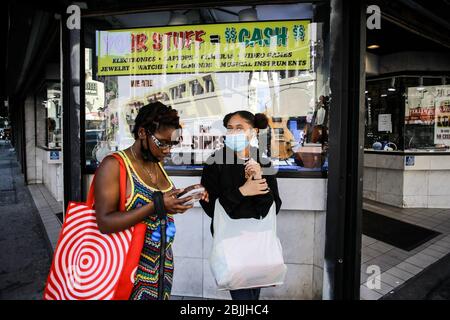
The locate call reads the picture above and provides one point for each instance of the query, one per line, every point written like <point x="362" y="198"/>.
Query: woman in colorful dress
<point x="156" y="125"/>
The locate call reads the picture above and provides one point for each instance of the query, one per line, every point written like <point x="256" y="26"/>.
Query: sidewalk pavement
<point x="24" y="251"/>
<point x="431" y="284"/>
<point x="399" y="267"/>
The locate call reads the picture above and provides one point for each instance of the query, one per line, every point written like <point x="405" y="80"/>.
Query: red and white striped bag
<point x="89" y="265"/>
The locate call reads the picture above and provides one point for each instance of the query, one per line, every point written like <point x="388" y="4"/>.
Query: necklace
<point x="146" y="170"/>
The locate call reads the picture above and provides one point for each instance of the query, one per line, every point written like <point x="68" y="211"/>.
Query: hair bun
<point x="261" y="121"/>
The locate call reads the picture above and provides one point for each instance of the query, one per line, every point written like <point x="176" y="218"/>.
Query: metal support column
<point x="344" y="203"/>
<point x="72" y="84"/>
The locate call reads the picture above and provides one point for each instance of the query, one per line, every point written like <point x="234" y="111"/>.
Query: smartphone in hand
<point x="195" y="191"/>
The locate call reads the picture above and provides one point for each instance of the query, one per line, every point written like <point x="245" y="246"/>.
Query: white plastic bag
<point x="246" y="253"/>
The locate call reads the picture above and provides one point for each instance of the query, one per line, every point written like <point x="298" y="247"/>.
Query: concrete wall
<point x="423" y="185"/>
<point x="34" y="171"/>
<point x="300" y="227"/>
<point x="39" y="169"/>
<point x="52" y="174"/>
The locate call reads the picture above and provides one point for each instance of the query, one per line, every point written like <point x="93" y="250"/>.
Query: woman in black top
<point x="240" y="178"/>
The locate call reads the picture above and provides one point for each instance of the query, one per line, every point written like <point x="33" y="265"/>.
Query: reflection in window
<point x="180" y="91"/>
<point x="196" y="88"/>
<point x="209" y="84"/>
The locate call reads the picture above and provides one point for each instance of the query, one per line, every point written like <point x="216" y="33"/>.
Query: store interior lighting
<point x="392" y="87"/>
<point x="420" y="87"/>
<point x="373" y="46"/>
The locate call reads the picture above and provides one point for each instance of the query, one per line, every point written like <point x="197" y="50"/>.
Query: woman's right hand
<point x="174" y="205"/>
<point x="254" y="187"/>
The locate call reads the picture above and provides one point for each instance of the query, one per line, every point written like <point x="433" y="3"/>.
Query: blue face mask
<point x="236" y="142"/>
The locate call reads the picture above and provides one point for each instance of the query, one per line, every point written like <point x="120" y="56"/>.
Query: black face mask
<point x="147" y="154"/>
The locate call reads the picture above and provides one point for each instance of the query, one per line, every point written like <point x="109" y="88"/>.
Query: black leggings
<point x="245" y="294"/>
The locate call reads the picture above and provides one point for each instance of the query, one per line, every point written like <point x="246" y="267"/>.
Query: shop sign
<point x="385" y="122"/>
<point x="247" y="46"/>
<point x="91" y="88"/>
<point x="422" y="105"/>
<point x="420" y="115"/>
<point x="410" y="161"/>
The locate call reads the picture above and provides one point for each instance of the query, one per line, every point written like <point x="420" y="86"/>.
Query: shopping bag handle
<point x="122" y="186"/>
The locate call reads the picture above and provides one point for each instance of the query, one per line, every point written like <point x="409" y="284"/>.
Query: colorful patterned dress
<point x="146" y="285"/>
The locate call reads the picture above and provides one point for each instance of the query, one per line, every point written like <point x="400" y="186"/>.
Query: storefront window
<point x="54" y="117"/>
<point x="215" y="63"/>
<point x="49" y="116"/>
<point x="408" y="113"/>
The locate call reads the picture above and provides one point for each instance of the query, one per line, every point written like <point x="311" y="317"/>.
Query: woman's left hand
<point x="253" y="168"/>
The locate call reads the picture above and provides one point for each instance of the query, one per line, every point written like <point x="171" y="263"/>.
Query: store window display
<point x="408" y="113"/>
<point x="276" y="65"/>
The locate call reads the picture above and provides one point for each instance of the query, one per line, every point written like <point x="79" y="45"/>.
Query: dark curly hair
<point x="154" y="116"/>
<point x="258" y="120"/>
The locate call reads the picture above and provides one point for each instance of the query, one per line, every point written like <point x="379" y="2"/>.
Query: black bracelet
<point x="158" y="200"/>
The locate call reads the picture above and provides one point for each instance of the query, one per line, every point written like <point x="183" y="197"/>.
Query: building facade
<point x="89" y="67"/>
